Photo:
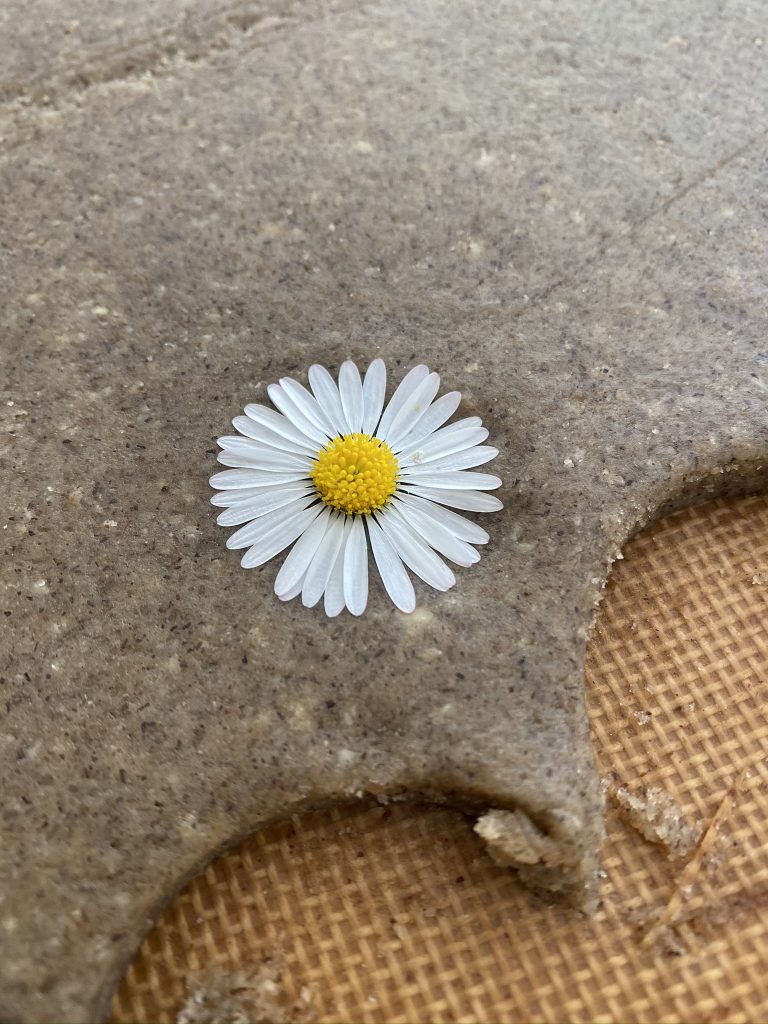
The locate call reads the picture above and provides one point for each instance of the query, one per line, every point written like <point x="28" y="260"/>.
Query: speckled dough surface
<point x="561" y="207"/>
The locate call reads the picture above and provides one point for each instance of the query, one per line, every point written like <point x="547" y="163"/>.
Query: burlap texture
<point x="397" y="914"/>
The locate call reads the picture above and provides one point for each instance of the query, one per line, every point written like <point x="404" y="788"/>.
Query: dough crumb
<point x="512" y="838"/>
<point x="553" y="860"/>
<point x="244" y="997"/>
<point x="657" y="817"/>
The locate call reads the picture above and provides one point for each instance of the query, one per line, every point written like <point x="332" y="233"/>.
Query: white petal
<point x="351" y="391"/>
<point x="457" y="480"/>
<point x="374" y="389"/>
<point x="414" y="552"/>
<point x="267" y="501"/>
<point x="334" y="589"/>
<point x="396" y="580"/>
<point x="470" y="458"/>
<point x="413" y="408"/>
<point x="235" y="461"/>
<point x="294" y="568"/>
<point x="283" y="534"/>
<point x="438" y="435"/>
<point x="410" y="381"/>
<point x="269" y="481"/>
<point x="286" y="404"/>
<point x="257" y="528"/>
<point x="356" y="569"/>
<point x="445" y="442"/>
<point x="295" y="590"/>
<point x="327" y="395"/>
<point x="279" y="424"/>
<point x="471" y="501"/>
<point x="322" y="563"/>
<point x="267" y="459"/>
<point x="239" y="445"/>
<point x="434" y="417"/>
<point x="308" y="404"/>
<point x="239" y="478"/>
<point x="436" y="535"/>
<point x="265" y="435"/>
<point x="460" y="527"/>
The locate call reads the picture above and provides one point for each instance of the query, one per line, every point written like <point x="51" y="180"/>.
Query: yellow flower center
<point x="355" y="474"/>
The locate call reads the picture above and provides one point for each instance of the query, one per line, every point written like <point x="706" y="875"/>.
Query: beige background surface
<point x="397" y="914"/>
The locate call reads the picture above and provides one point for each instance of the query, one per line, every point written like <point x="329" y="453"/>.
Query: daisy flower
<point x="334" y="472"/>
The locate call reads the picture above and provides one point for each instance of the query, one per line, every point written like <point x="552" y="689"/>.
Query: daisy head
<point x="333" y="472"/>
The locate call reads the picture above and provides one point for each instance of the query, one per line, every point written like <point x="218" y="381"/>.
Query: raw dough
<point x="531" y="199"/>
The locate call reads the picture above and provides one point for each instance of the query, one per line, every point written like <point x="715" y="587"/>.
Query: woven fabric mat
<point x="396" y="913"/>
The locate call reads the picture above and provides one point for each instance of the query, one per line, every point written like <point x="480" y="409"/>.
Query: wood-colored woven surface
<point x="397" y="914"/>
